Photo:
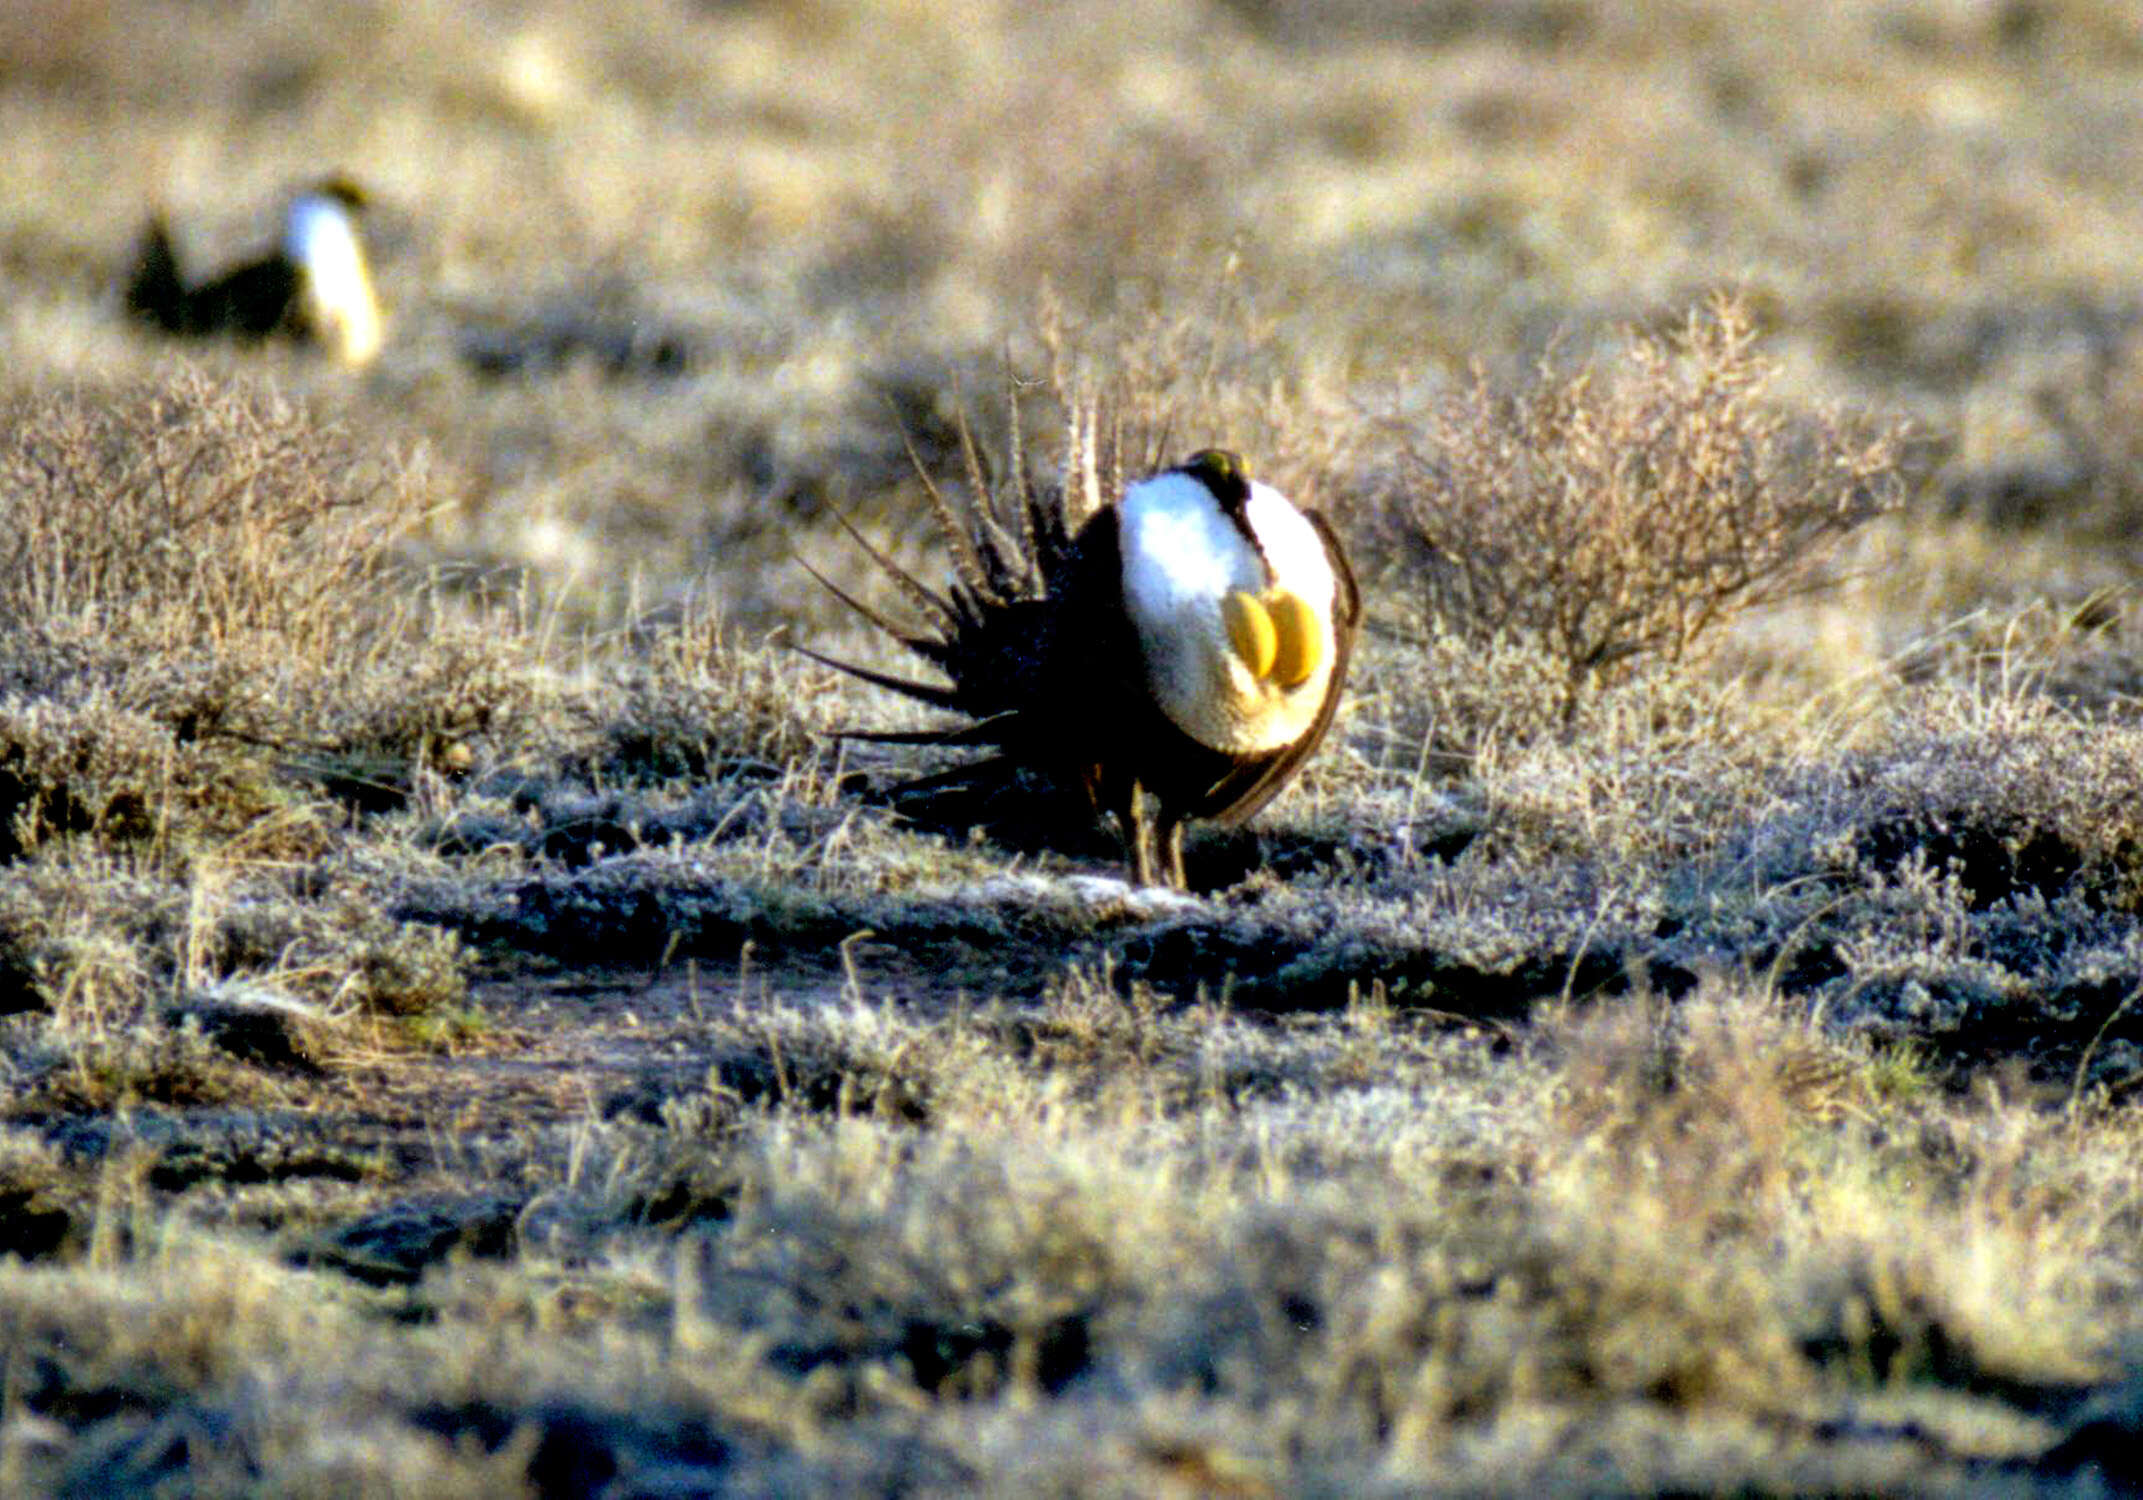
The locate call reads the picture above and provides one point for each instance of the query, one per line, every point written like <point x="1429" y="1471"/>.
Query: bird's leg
<point x="1138" y="829"/>
<point x="1171" y="841"/>
<point x="1153" y="837"/>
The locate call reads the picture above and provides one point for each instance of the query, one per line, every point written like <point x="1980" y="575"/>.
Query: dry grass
<point x="466" y="1028"/>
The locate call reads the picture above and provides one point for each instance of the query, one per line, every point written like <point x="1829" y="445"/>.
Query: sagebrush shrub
<point x="192" y="513"/>
<point x="1608" y="516"/>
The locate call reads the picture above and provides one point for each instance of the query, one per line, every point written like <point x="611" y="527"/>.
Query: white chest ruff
<point x="335" y="286"/>
<point x="1182" y="557"/>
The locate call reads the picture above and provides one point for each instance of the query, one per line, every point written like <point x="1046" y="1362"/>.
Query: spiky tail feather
<point x="155" y="292"/>
<point x="991" y="633"/>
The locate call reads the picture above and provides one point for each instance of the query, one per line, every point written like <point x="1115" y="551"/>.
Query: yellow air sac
<point x="1251" y="632"/>
<point x="1298" y="645"/>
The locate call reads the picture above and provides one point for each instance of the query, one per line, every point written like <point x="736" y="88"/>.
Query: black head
<point x="1221" y="472"/>
<point x="344" y="190"/>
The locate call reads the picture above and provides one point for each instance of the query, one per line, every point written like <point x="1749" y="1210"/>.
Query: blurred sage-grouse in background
<point x="1177" y="653"/>
<point x="315" y="286"/>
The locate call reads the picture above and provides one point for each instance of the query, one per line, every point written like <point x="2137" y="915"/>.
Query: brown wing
<point x="1242" y="792"/>
<point x="252" y="300"/>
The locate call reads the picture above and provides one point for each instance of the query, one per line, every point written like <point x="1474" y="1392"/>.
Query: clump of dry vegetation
<point x="1616" y="515"/>
<point x="198" y="577"/>
<point x="193" y="515"/>
<point x="220" y="671"/>
<point x="200" y="583"/>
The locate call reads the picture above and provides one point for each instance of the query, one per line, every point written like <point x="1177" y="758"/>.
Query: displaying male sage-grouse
<point x="314" y="286"/>
<point x="1177" y="655"/>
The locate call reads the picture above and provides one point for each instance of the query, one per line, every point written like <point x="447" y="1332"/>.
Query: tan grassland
<point x="468" y="1025"/>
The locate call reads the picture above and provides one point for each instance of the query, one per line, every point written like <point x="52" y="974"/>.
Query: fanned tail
<point x="155" y="292"/>
<point x="990" y="630"/>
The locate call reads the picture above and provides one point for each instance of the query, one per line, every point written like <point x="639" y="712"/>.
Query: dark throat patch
<point x="1221" y="472"/>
